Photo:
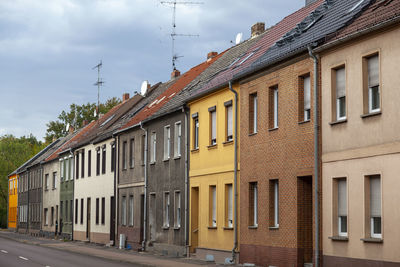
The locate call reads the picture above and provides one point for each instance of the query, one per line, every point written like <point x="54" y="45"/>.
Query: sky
<point x="48" y="49"/>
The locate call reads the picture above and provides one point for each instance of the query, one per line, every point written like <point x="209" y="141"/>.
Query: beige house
<point x="51" y="197"/>
<point x="361" y="141"/>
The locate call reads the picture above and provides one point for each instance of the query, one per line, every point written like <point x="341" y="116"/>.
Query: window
<point x="52" y="216"/>
<point x="340" y="93"/>
<point x="103" y="210"/>
<point x="153" y="140"/>
<point x="213" y="206"/>
<point x="177" y="204"/>
<point x="54" y="180"/>
<point x="61" y="210"/>
<point x="375" y="213"/>
<point x="76" y="211"/>
<point x="112" y="157"/>
<point x="273" y="107"/>
<point x="213" y="125"/>
<point x="229" y="205"/>
<point x="374" y="104"/>
<point x="305" y="98"/>
<point x="177" y="139"/>
<point x="81" y="210"/>
<point x="98" y="161"/>
<point x="66" y="210"/>
<point x="61" y="169"/>
<point x="132" y="153"/>
<point x="89" y="163"/>
<point x="167" y="142"/>
<point x="71" y="167"/>
<point x="83" y="164"/>
<point x="123" y="210"/>
<point x="342" y="206"/>
<point x="166" y="209"/>
<point x="253" y="204"/>
<point x="274" y="203"/>
<point x="47" y="181"/>
<point x="67" y="169"/>
<point x="143" y="148"/>
<point x="46" y="217"/>
<point x="97" y="210"/>
<point x="76" y="166"/>
<point x="229" y="121"/>
<point x="195" y="118"/>
<point x="253" y="110"/>
<point x="103" y="160"/>
<point x="124" y="158"/>
<point x="131" y="210"/>
<point x="71" y="211"/>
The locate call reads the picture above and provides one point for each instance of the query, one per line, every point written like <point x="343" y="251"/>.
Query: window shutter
<point x="229" y="121"/>
<point x="214" y="125"/>
<point x="307" y="91"/>
<point x="375" y="195"/>
<point x="342" y="197"/>
<point x="373" y="71"/>
<point x="340" y="83"/>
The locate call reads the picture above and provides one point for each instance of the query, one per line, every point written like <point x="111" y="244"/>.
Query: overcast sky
<point x="48" y="49"/>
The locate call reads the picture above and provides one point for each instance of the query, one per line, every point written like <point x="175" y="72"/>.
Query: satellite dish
<point x="67" y="127"/>
<point x="143" y="89"/>
<point x="239" y="38"/>
<point x="94" y="113"/>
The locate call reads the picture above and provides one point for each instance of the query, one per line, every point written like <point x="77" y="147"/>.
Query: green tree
<point x="13" y="153"/>
<point x="75" y="117"/>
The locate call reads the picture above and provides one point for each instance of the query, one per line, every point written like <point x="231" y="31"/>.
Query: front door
<point x="152" y="217"/>
<point x="141" y="217"/>
<point x="88" y="219"/>
<point x="304" y="220"/>
<point x="112" y="220"/>
<point x="194" y="219"/>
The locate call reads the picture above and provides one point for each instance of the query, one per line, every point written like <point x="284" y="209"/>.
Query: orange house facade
<point x="12" y="201"/>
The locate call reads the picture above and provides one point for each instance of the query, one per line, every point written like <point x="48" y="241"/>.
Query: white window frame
<point x="371" y="87"/>
<point x="177" y="139"/>
<point x="255" y="110"/>
<point x="153" y="145"/>
<point x="177" y="204"/>
<point x="131" y="210"/>
<point x="196" y="133"/>
<point x="372" y="223"/>
<point x="213" y="126"/>
<point x="339" y="217"/>
<point x="276" y="95"/>
<point x="229" y="123"/>
<point x="54" y="180"/>
<point x="213" y="189"/>
<point x="123" y="211"/>
<point x="229" y="219"/>
<point x="307" y="94"/>
<point x="167" y="142"/>
<point x="166" y="206"/>
<point x="339" y="101"/>
<point x="276" y="203"/>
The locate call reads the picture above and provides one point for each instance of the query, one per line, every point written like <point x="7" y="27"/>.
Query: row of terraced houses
<point x="282" y="150"/>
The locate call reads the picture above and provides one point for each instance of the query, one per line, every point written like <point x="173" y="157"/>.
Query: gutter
<point x="145" y="188"/>
<point x="186" y="182"/>
<point x="128" y="128"/>
<point x="235" y="243"/>
<point x="315" y="57"/>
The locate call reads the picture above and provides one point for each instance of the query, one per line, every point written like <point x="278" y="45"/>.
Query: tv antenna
<point x="173" y="33"/>
<point x="99" y="83"/>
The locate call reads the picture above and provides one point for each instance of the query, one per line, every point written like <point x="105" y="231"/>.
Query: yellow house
<point x="12" y="201"/>
<point x="212" y="209"/>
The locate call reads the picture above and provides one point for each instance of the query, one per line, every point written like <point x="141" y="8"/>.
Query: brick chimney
<point x="71" y="129"/>
<point x="125" y="97"/>
<point x="175" y="73"/>
<point x="257" y="29"/>
<point x="85" y="122"/>
<point x="212" y="54"/>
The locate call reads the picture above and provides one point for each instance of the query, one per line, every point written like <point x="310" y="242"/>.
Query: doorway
<point x="194" y="219"/>
<point x="141" y="217"/>
<point x="88" y="207"/>
<point x="112" y="220"/>
<point x="304" y="220"/>
<point x="152" y="217"/>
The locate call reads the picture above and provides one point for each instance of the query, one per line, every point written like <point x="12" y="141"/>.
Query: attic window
<point x="171" y="95"/>
<point x="355" y="6"/>
<point x="233" y="63"/>
<point x="107" y="120"/>
<point x="153" y="103"/>
<point x="158" y="102"/>
<point x="246" y="58"/>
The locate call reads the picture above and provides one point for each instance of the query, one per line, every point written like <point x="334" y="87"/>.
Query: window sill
<point x="228" y="228"/>
<point x="228" y="143"/>
<point x="165" y="227"/>
<point x="339" y="238"/>
<point x="131" y="167"/>
<point x="212" y="147"/>
<point x="212" y="227"/>
<point x="177" y="157"/>
<point x="177" y="228"/>
<point x="337" y="122"/>
<point x="303" y="122"/>
<point x="124" y="169"/>
<point x="152" y="163"/>
<point x="165" y="160"/>
<point x="372" y="240"/>
<point x="273" y="129"/>
<point x="253" y="227"/>
<point x="195" y="150"/>
<point x="273" y="228"/>
<point x="251" y="134"/>
<point x="46" y="189"/>
<point x="375" y="113"/>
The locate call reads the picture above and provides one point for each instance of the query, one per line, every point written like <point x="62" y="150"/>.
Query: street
<point x="17" y="254"/>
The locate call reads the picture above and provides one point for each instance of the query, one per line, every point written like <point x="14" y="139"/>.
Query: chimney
<point x="211" y="55"/>
<point x="125" y="97"/>
<point x="71" y="129"/>
<point x="257" y="29"/>
<point x="309" y="2"/>
<point x="175" y="73"/>
<point x="84" y="123"/>
<point x="54" y="138"/>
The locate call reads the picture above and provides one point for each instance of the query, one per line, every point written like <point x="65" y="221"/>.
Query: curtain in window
<point x="340" y="83"/>
<point x="373" y="71"/>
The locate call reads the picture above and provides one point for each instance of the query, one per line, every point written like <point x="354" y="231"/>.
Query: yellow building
<point x="12" y="200"/>
<point x="212" y="174"/>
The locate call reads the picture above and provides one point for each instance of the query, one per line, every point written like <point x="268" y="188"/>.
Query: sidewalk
<point x="110" y="253"/>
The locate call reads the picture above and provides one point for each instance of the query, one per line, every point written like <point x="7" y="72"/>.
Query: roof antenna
<point x="99" y="83"/>
<point x="173" y="33"/>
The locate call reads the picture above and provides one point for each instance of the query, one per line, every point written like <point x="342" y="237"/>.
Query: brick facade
<point x="285" y="153"/>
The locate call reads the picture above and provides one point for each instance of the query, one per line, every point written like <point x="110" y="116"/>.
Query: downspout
<point x="235" y="242"/>
<point x="186" y="184"/>
<point x="27" y="208"/>
<point x="116" y="196"/>
<point x="316" y="154"/>
<point x="145" y="188"/>
<point x="73" y="190"/>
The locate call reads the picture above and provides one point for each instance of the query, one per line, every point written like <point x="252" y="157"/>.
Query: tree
<point x="75" y="117"/>
<point x="13" y="153"/>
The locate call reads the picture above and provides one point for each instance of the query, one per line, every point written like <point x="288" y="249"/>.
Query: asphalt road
<point x="13" y="253"/>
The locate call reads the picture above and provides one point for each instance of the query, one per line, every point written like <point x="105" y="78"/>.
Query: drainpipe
<point x="145" y="187"/>
<point x="186" y="183"/>
<point x="316" y="156"/>
<point x="235" y="243"/>
<point x="73" y="191"/>
<point x="116" y="196"/>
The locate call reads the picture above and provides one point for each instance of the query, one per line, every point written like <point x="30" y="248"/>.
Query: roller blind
<point x="342" y="197"/>
<point x="375" y="195"/>
<point x="340" y="83"/>
<point x="229" y="121"/>
<point x="213" y="125"/>
<point x="373" y="71"/>
<point x="307" y="96"/>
